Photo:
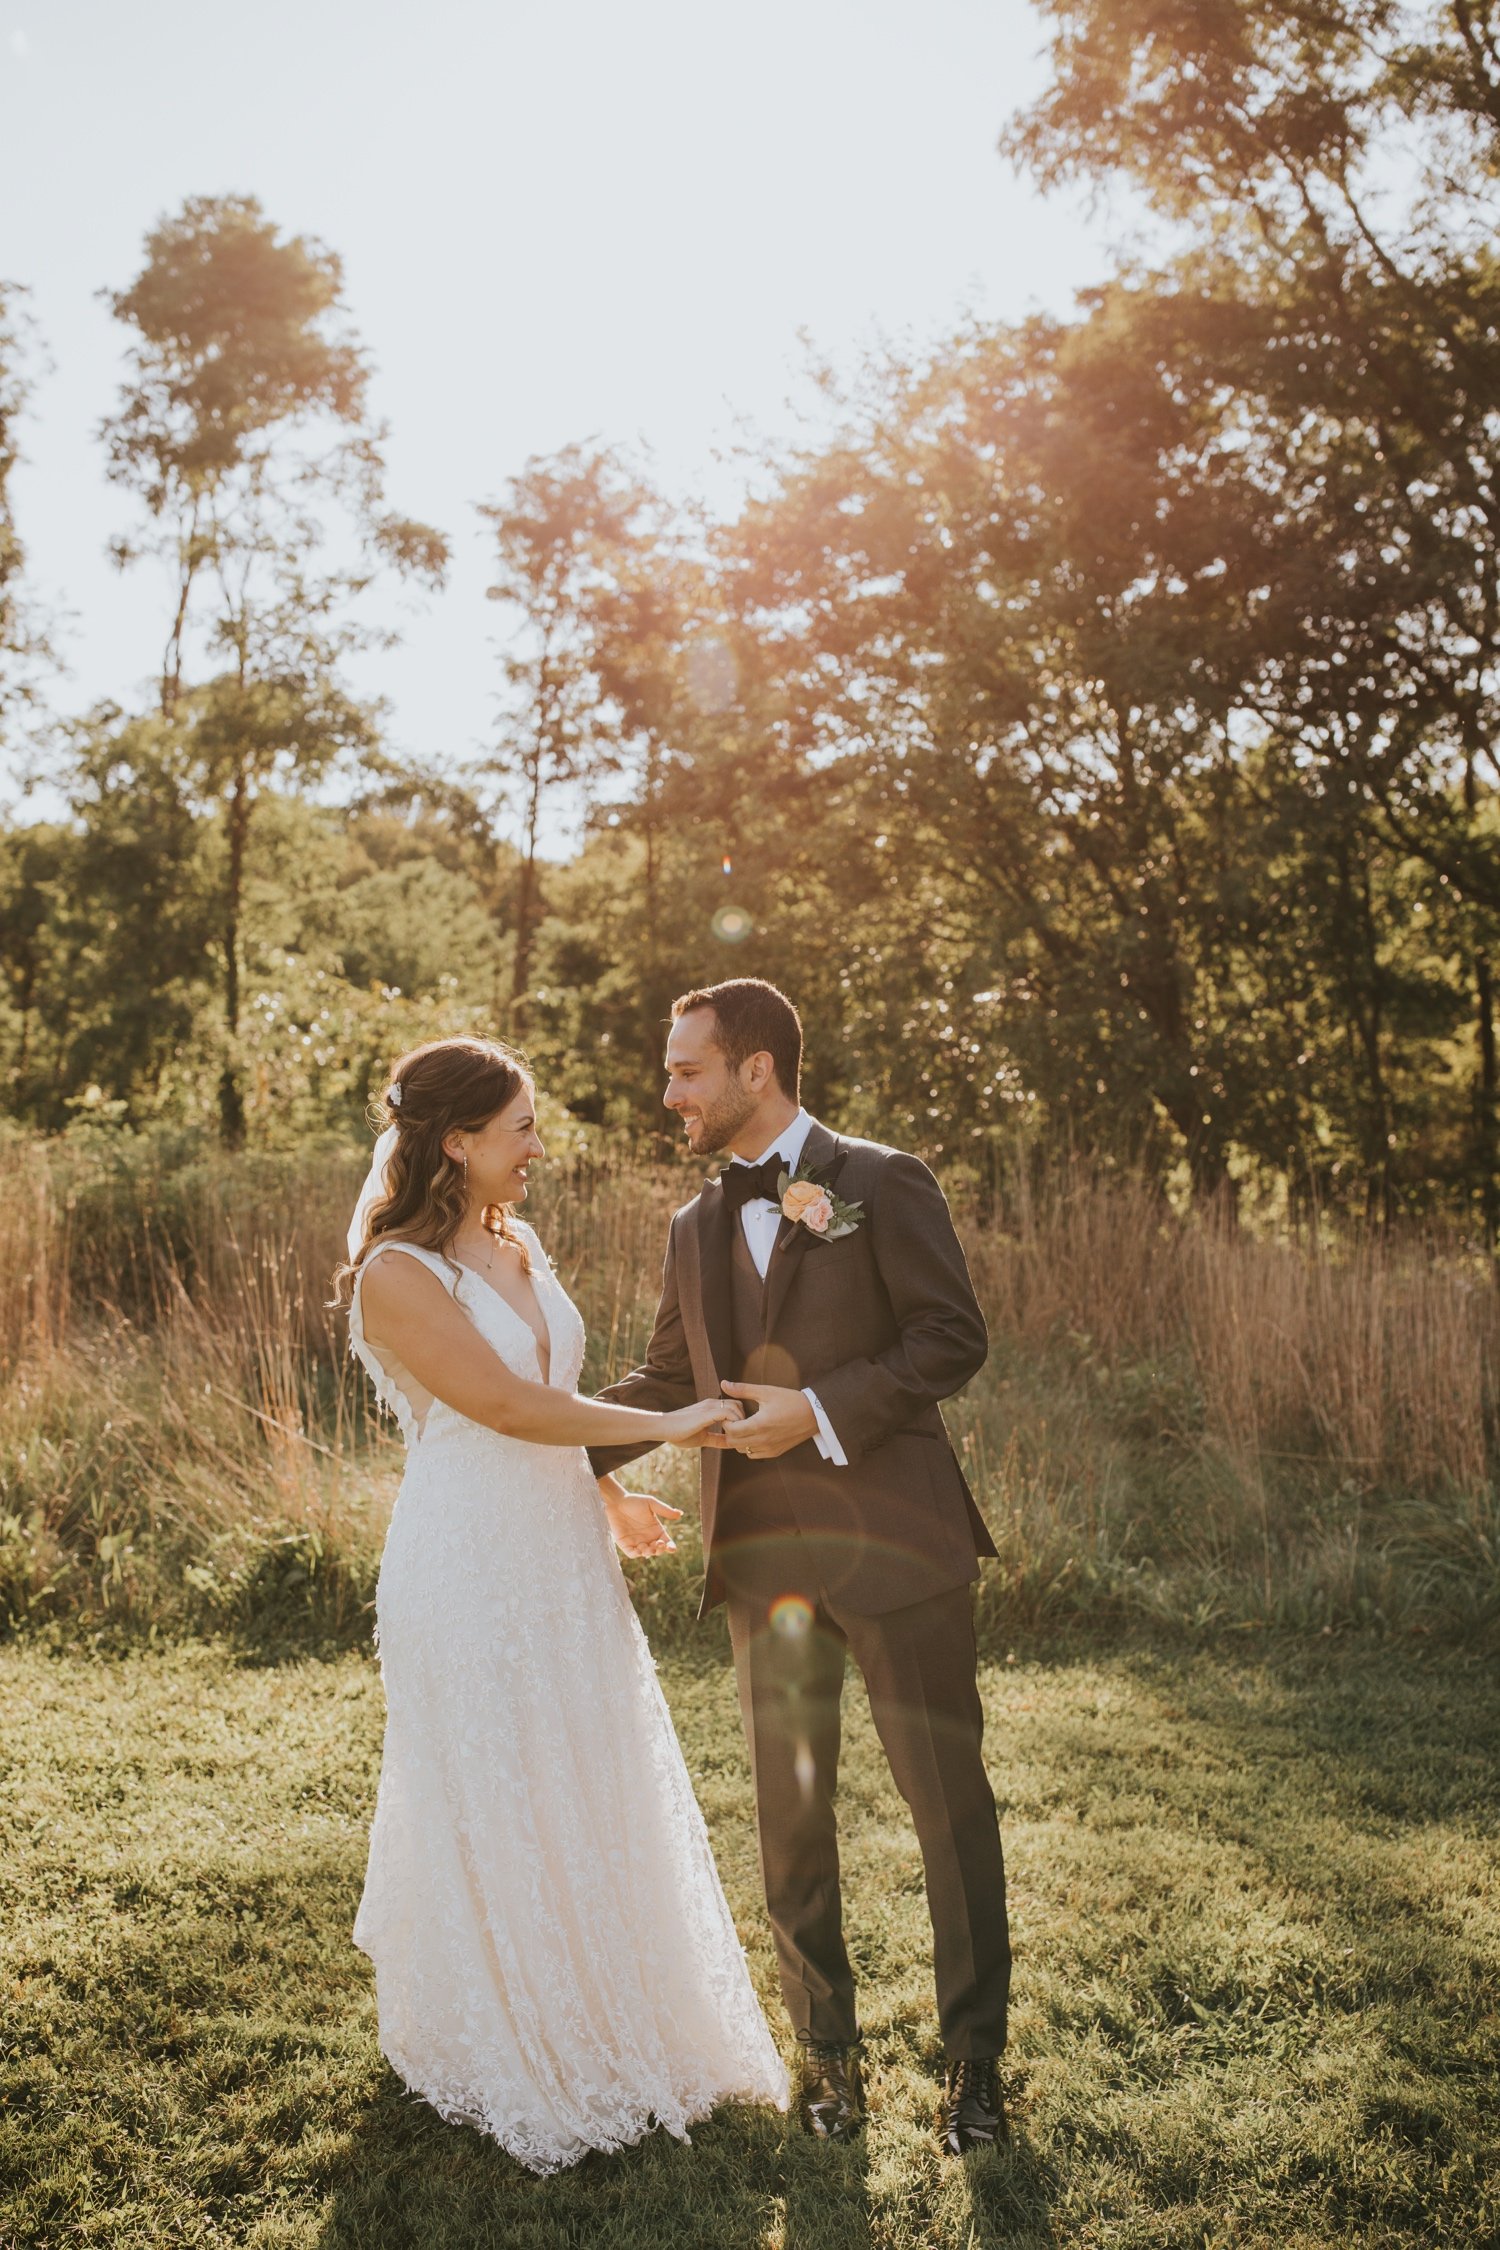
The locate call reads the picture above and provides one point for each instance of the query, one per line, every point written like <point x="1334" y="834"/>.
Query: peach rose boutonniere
<point x="810" y="1202"/>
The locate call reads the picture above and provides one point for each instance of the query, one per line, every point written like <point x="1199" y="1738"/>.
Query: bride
<point x="554" y="1958"/>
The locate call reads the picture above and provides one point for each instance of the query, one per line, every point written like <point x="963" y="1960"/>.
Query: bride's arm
<point x="408" y="1313"/>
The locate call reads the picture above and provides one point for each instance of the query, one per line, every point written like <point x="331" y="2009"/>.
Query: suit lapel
<point x="714" y="1222"/>
<point x="823" y="1153"/>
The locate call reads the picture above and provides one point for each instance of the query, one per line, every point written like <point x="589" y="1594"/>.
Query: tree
<point x="240" y="353"/>
<point x="1265" y="134"/>
<point x="23" y="643"/>
<point x="37" y="875"/>
<point x="566" y="531"/>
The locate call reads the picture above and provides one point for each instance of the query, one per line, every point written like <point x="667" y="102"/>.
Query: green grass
<point x="1258" y="1961"/>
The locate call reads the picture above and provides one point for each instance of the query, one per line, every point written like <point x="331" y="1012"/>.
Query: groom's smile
<point x="716" y="1099"/>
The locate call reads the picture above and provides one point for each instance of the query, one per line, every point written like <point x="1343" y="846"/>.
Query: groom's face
<point x="712" y="1100"/>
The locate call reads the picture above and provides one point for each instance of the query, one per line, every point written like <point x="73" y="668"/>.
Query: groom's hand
<point x="781" y="1419"/>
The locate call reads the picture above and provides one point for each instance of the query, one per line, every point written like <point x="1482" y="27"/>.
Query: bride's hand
<point x="638" y="1522"/>
<point x="691" y="1425"/>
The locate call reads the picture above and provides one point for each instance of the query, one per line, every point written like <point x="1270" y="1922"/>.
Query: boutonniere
<point x="808" y="1201"/>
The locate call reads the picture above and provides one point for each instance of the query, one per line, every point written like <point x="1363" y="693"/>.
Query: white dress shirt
<point x="761" y="1220"/>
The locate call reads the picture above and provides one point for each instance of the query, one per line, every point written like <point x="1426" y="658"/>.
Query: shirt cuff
<point x="826" y="1441"/>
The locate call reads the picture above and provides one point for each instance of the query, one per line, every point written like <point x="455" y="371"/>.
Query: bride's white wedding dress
<point x="554" y="1958"/>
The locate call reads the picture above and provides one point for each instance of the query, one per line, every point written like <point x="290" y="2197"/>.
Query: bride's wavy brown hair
<point x="446" y="1085"/>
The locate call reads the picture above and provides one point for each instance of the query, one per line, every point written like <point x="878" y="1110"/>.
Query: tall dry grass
<point x="1240" y="1424"/>
<point x="1376" y="1358"/>
<point x="1177" y="1419"/>
<point x="181" y="1439"/>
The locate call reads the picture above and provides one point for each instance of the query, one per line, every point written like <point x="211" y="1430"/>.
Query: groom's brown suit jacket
<point x="881" y="1324"/>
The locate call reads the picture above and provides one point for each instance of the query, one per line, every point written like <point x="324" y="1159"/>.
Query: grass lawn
<point x="1257" y="1980"/>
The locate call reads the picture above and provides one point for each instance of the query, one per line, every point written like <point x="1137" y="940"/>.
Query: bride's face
<point x="500" y="1152"/>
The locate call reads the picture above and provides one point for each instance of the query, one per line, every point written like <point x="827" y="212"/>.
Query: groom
<point x="835" y="1519"/>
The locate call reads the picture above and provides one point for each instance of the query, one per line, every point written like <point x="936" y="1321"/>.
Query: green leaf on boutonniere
<point x="821" y="1213"/>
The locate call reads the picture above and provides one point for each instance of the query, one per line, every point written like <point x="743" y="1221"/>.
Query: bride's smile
<point x="499" y="1154"/>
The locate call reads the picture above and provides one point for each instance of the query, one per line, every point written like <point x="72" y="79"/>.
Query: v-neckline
<point x="520" y="1318"/>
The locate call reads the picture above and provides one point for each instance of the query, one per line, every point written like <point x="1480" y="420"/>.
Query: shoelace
<point x="972" y="2078"/>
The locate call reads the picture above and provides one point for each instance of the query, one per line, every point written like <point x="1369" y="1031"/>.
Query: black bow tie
<point x="746" y="1183"/>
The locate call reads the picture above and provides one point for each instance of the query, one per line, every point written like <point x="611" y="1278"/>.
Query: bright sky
<point x="559" y="220"/>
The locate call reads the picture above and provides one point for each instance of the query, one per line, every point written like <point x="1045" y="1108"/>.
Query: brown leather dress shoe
<point x="972" y="2115"/>
<point x="831" y="2104"/>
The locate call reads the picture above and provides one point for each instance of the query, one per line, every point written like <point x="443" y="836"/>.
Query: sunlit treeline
<point x="1093" y="731"/>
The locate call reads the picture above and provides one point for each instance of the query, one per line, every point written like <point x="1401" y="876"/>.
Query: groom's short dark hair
<point x="752" y="1018"/>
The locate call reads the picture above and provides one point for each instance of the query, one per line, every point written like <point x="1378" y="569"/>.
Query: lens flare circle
<point x="792" y="1616"/>
<point x="713" y="677"/>
<point x="732" y="925"/>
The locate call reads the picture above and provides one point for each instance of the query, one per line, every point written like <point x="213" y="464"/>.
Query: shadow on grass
<point x="1343" y="1767"/>
<point x="1353" y="1792"/>
<point x="404" y="2180"/>
<point x="826" y="2193"/>
<point x="1011" y="2197"/>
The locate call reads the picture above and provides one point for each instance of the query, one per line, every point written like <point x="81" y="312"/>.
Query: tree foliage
<point x="245" y="406"/>
<point x="1094" y="729"/>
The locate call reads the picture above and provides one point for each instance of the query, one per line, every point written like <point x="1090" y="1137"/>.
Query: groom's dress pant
<point x="790" y="1638"/>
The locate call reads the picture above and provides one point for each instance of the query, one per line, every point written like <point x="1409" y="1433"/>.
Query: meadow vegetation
<point x="1254" y="1896"/>
<point x="1180" y="1421"/>
<point x="1242" y="1716"/>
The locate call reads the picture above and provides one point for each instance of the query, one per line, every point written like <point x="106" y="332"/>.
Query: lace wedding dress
<point x="554" y="1958"/>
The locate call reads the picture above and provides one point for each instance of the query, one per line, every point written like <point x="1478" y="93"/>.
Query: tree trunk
<point x="1365" y="1022"/>
<point x="25" y="995"/>
<point x="1485" y="1099"/>
<point x="1485" y="1094"/>
<point x="1375" y="1044"/>
<point x="231" y="1096"/>
<point x="653" y="998"/>
<point x="526" y="906"/>
<point x="187" y="571"/>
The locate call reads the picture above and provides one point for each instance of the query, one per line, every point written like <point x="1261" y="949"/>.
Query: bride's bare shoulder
<point x="399" y="1273"/>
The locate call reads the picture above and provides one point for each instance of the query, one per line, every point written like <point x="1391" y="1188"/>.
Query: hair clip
<point x="393" y="1097"/>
